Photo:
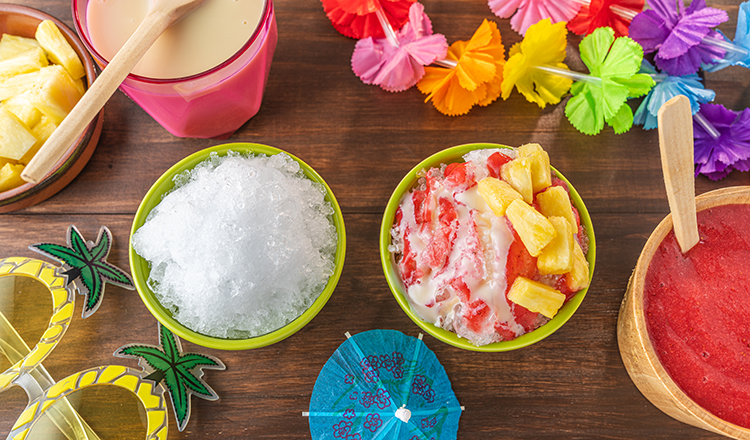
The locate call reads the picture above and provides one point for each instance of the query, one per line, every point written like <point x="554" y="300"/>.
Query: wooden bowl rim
<point x="30" y="194"/>
<point x="723" y="196"/>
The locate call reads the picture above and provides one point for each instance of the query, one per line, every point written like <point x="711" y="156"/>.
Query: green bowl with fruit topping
<point x="393" y="276"/>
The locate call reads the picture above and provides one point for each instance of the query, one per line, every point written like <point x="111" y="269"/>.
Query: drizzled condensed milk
<point x="200" y="41"/>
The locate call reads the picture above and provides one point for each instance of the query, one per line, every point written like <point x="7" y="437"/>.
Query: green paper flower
<point x="181" y="373"/>
<point x="614" y="65"/>
<point x="86" y="265"/>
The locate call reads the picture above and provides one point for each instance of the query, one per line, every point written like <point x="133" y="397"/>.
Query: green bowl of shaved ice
<point x="399" y="290"/>
<point x="171" y="182"/>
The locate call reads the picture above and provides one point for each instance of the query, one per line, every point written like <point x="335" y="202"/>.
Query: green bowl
<point x="140" y="268"/>
<point x="390" y="268"/>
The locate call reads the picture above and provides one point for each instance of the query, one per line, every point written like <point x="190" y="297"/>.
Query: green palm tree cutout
<point x="86" y="265"/>
<point x="181" y="373"/>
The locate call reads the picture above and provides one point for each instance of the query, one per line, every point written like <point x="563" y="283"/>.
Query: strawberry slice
<point x="495" y="162"/>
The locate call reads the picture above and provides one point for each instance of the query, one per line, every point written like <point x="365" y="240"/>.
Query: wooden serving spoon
<point x="676" y="146"/>
<point x="162" y="14"/>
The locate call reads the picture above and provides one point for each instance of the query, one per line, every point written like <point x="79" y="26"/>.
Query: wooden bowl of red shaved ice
<point x="684" y="324"/>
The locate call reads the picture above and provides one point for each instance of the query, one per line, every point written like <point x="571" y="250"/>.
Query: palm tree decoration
<point x="86" y="265"/>
<point x="181" y="373"/>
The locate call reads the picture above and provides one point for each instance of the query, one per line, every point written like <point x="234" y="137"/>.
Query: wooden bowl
<point x="637" y="352"/>
<point x="23" y="21"/>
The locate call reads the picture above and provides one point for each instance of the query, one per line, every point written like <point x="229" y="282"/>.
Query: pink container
<point x="211" y="104"/>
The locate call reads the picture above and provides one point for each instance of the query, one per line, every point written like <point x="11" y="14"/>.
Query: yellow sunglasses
<point x="80" y="406"/>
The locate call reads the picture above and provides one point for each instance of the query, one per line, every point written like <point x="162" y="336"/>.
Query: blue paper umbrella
<point x="382" y="384"/>
<point x="666" y="88"/>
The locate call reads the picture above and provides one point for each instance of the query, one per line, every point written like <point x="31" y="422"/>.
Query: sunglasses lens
<point x="25" y="311"/>
<point x="102" y="411"/>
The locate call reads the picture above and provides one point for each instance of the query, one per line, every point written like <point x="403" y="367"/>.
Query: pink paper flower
<point x="528" y="12"/>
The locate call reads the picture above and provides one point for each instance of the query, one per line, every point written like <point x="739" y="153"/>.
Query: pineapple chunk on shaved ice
<point x="534" y="229"/>
<point x="10" y="176"/>
<point x="12" y="45"/>
<point x="517" y="173"/>
<point x="58" y="49"/>
<point x="541" y="175"/>
<point x="557" y="257"/>
<point x="497" y="194"/>
<point x="15" y="137"/>
<point x="555" y="201"/>
<point x="537" y="297"/>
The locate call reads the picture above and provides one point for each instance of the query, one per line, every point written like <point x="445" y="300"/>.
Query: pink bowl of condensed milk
<point x="205" y="76"/>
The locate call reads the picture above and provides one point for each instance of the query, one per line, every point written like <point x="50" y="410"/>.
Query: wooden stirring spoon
<point x="676" y="146"/>
<point x="162" y="14"/>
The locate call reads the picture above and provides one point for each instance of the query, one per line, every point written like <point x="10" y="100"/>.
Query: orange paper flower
<point x="543" y="46"/>
<point x="475" y="77"/>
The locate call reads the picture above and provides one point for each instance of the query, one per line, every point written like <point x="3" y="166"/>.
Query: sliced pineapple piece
<point x="22" y="107"/>
<point x="15" y="138"/>
<point x="537" y="297"/>
<point x="517" y="173"/>
<point x="25" y="62"/>
<point x="532" y="227"/>
<point x="57" y="95"/>
<point x="497" y="194"/>
<point x="10" y="176"/>
<point x="19" y="84"/>
<point x="557" y="257"/>
<point x="541" y="176"/>
<point x="578" y="277"/>
<point x="12" y="45"/>
<point x="58" y="49"/>
<point x="555" y="201"/>
<point x="42" y="131"/>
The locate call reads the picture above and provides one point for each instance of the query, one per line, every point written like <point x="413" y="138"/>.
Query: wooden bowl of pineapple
<point x="43" y="72"/>
<point x="393" y="276"/>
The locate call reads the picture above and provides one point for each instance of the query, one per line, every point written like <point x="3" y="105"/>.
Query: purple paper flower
<point x="717" y="155"/>
<point x="677" y="34"/>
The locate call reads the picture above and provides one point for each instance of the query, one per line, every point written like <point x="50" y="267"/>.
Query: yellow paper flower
<point x="476" y="77"/>
<point x="544" y="45"/>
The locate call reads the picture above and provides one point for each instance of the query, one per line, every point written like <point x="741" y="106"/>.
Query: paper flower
<point x="722" y="141"/>
<point x="737" y="53"/>
<point x="544" y="45"/>
<point x="666" y="88"/>
<point x="677" y="34"/>
<point x="397" y="62"/>
<point x="476" y="77"/>
<point x="527" y="12"/>
<point x="615" y="63"/>
<point x="358" y="18"/>
<point x="616" y="14"/>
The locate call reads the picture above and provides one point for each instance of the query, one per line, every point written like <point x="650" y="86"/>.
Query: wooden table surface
<point x="363" y="140"/>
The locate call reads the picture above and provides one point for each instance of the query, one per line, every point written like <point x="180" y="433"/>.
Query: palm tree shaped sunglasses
<point x="113" y="398"/>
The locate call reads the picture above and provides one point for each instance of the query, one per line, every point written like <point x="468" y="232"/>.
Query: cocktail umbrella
<point x="528" y="12"/>
<point x="616" y="14"/>
<point x="666" y="88"/>
<point x="722" y="141"/>
<point x="682" y="38"/>
<point x="358" y="18"/>
<point x="613" y="63"/>
<point x="382" y="384"/>
<point x="397" y="62"/>
<point x="737" y="52"/>
<point x="527" y="68"/>
<point x="474" y="75"/>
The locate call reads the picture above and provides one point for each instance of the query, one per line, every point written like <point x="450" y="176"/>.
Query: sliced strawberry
<point x="505" y="333"/>
<point x="520" y="263"/>
<point x="408" y="264"/>
<point x="495" y="162"/>
<point x="438" y="249"/>
<point x="527" y="319"/>
<point x="562" y="286"/>
<point x="477" y="316"/>
<point x="556" y="181"/>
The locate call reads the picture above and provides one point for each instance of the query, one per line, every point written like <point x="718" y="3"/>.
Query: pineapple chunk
<point x="10" y="177"/>
<point x="555" y="201"/>
<point x="517" y="173"/>
<point x="19" y="84"/>
<point x="58" y="49"/>
<point x="42" y="131"/>
<point x="23" y="109"/>
<point x="541" y="177"/>
<point x="578" y="277"/>
<point x="15" y="138"/>
<point x="537" y="297"/>
<point x="57" y="95"/>
<point x="497" y="194"/>
<point x="533" y="228"/>
<point x="11" y="45"/>
<point x="29" y="61"/>
<point x="557" y="257"/>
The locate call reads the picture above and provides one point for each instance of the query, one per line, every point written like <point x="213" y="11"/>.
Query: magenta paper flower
<point x="397" y="62"/>
<point x="528" y="12"/>
<point x="677" y="34"/>
<point x="728" y="148"/>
